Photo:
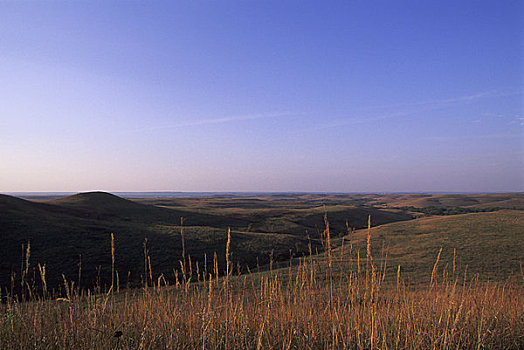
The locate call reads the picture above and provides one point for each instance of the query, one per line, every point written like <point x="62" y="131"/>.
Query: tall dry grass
<point x="310" y="305"/>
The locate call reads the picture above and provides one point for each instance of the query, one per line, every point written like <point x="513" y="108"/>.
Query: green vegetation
<point x="70" y="236"/>
<point x="341" y="299"/>
<point x="423" y="200"/>
<point x="439" y="282"/>
<point x="449" y="210"/>
<point x="490" y="245"/>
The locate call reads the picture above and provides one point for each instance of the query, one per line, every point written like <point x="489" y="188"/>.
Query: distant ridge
<point x="93" y="200"/>
<point x="173" y="194"/>
<point x="19" y="205"/>
<point x="103" y="205"/>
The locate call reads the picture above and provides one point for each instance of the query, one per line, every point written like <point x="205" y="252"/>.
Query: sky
<point x="299" y="96"/>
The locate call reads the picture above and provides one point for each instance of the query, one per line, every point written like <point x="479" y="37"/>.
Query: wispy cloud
<point x="471" y="137"/>
<point x="451" y="100"/>
<point x="213" y="121"/>
<point x="358" y="120"/>
<point x="409" y="109"/>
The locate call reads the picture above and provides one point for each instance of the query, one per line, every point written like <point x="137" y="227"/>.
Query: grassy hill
<point x="488" y="244"/>
<point x="482" y="200"/>
<point x="66" y="232"/>
<point x="306" y="306"/>
<point x="287" y="214"/>
<point x="74" y="232"/>
<point x="310" y="306"/>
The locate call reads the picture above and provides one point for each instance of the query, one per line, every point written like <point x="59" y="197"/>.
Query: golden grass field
<point x="343" y="299"/>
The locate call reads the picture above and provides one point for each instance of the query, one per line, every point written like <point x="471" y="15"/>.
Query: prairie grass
<point x="319" y="302"/>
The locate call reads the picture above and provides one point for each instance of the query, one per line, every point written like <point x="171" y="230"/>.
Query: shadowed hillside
<point x="74" y="232"/>
<point x="106" y="206"/>
<point x="71" y="236"/>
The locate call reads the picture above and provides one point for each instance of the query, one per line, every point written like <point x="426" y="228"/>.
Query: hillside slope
<point x="480" y="201"/>
<point x="76" y="230"/>
<point x="488" y="244"/>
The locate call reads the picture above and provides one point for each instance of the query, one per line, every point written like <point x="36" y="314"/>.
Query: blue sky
<point x="350" y="96"/>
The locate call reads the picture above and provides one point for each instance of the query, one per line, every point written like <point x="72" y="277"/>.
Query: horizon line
<point x="256" y="192"/>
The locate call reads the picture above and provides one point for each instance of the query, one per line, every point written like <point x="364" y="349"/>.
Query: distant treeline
<point x="451" y="210"/>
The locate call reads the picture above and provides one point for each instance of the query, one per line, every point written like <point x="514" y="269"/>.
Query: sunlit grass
<point x="321" y="302"/>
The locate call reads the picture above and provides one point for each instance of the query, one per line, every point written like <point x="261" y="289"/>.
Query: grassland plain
<point x="397" y="285"/>
<point x="339" y="299"/>
<point x="73" y="232"/>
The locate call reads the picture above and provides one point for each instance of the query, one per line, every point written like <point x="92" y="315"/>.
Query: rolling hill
<point x="74" y="232"/>
<point x="481" y="201"/>
<point x="488" y="244"/>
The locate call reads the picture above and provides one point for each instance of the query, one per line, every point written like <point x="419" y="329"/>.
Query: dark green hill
<point x="101" y="201"/>
<point x="66" y="232"/>
<point x="106" y="206"/>
<point x="62" y="233"/>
